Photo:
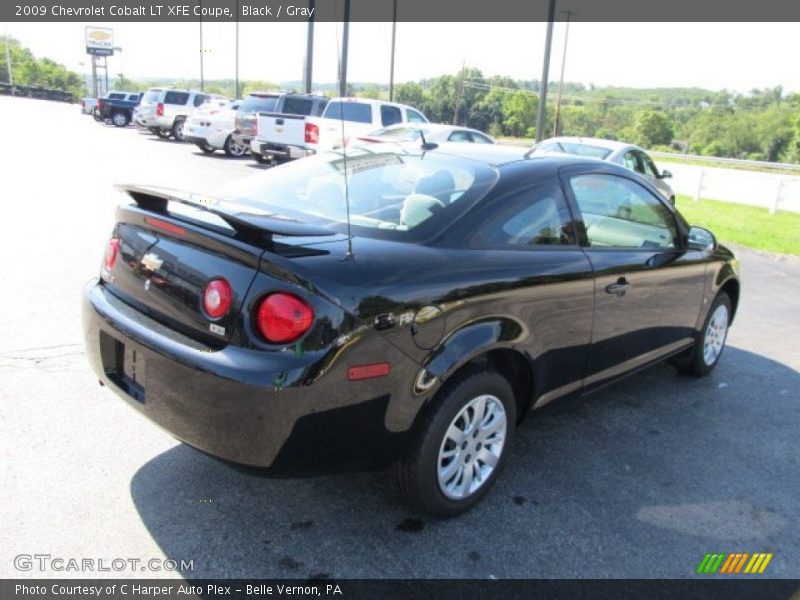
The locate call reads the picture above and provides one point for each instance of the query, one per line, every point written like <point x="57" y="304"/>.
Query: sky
<point x="732" y="56"/>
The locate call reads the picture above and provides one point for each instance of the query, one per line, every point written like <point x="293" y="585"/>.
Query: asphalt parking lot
<point x="639" y="480"/>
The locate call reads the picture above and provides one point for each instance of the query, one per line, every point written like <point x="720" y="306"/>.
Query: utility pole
<point x="540" y="118"/>
<point x="460" y="91"/>
<point x="345" y="41"/>
<point x="391" y="63"/>
<point x="561" y="82"/>
<point x="307" y="77"/>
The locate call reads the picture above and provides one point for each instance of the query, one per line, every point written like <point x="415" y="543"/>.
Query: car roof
<point x="612" y="145"/>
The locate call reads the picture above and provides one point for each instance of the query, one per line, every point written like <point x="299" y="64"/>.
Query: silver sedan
<point x="621" y="153"/>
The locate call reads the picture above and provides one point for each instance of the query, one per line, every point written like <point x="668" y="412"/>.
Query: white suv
<point x="167" y="115"/>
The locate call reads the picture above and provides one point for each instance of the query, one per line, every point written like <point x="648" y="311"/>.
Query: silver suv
<point x="168" y="112"/>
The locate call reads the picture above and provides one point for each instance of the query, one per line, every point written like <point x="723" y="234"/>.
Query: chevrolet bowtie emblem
<point x="151" y="262"/>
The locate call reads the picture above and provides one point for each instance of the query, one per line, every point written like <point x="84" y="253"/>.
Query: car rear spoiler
<point x="247" y="221"/>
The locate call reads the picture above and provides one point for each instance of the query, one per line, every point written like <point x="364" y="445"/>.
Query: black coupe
<point x="398" y="303"/>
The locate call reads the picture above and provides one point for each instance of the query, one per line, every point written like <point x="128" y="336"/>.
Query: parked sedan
<point x="432" y="132"/>
<point x="621" y="153"/>
<point x="211" y="127"/>
<point x="398" y="303"/>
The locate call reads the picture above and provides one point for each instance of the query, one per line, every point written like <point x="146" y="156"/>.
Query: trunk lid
<point x="171" y="246"/>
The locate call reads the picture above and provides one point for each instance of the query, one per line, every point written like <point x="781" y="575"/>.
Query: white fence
<point x="773" y="191"/>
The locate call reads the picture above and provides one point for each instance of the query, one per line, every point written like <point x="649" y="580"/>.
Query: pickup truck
<point x="246" y="125"/>
<point x="118" y="110"/>
<point x="288" y="136"/>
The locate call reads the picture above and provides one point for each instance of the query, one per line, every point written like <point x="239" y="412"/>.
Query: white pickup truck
<point x="287" y="136"/>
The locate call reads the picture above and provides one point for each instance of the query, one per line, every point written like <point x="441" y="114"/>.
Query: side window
<point x="620" y="213"/>
<point x="199" y="99"/>
<point x="649" y="167"/>
<point x="390" y="115"/>
<point x="535" y="217"/>
<point x="479" y="138"/>
<point x="415" y="117"/>
<point x="630" y="161"/>
<point x="459" y="136"/>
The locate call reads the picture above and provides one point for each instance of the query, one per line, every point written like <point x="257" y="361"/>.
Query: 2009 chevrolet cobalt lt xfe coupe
<point x="404" y="304"/>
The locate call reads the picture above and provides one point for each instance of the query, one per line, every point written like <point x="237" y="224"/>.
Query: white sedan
<point x="432" y="132"/>
<point x="210" y="128"/>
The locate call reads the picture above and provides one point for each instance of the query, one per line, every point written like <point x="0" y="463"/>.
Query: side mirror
<point x="665" y="174"/>
<point x="700" y="239"/>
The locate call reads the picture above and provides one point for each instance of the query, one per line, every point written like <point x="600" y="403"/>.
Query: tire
<point x="260" y="158"/>
<point x="164" y="135"/>
<point x="234" y="149"/>
<point x="205" y="147"/>
<point x="448" y="451"/>
<point x="701" y="359"/>
<point x="120" y="119"/>
<point x="96" y="114"/>
<point x="177" y="129"/>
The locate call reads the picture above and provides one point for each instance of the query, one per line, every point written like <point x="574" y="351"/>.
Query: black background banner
<point x="389" y="589"/>
<point x="109" y="11"/>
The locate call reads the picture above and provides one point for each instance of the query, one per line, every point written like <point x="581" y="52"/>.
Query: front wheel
<point x="461" y="446"/>
<point x="704" y="356"/>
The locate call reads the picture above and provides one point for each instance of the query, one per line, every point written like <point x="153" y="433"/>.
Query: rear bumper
<point x="279" y="150"/>
<point x="242" y="405"/>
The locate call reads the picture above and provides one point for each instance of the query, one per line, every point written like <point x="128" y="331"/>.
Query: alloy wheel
<point x="716" y="331"/>
<point x="472" y="446"/>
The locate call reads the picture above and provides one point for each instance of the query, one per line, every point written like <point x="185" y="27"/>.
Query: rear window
<point x="176" y="98"/>
<point x="259" y="103"/>
<point x="116" y="96"/>
<point x="392" y="194"/>
<point x="293" y="105"/>
<point x="357" y="112"/>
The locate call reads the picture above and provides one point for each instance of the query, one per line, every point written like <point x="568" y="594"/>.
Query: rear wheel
<point x="177" y="129"/>
<point x="234" y="148"/>
<point x="120" y="119"/>
<point x="461" y="446"/>
<point x="704" y="355"/>
<point x="205" y="147"/>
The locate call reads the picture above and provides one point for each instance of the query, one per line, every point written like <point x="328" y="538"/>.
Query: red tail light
<point x="112" y="251"/>
<point x="369" y="371"/>
<point x="283" y="318"/>
<point x="100" y="104"/>
<point x="160" y="109"/>
<point x="217" y="298"/>
<point x="312" y="134"/>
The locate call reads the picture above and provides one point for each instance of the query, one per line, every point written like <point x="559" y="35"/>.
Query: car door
<point x="648" y="287"/>
<point x="540" y="275"/>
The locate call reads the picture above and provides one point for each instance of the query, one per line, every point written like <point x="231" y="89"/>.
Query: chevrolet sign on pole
<point x="100" y="41"/>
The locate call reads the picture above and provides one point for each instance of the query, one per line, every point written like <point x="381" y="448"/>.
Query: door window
<point x="415" y="117"/>
<point x="535" y="217"/>
<point x="390" y="115"/>
<point x="620" y="213"/>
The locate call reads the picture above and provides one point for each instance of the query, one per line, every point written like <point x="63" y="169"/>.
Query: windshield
<point x="392" y="193"/>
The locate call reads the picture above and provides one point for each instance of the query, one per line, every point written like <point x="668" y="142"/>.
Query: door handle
<point x="619" y="288"/>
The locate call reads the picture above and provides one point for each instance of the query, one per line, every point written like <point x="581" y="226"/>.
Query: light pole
<point x="561" y="82"/>
<point x="307" y="76"/>
<point x="8" y="63"/>
<point x="236" y="96"/>
<point x="551" y="10"/>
